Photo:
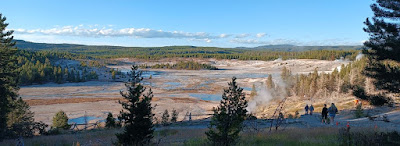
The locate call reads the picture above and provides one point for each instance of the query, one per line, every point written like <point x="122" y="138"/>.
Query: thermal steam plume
<point x="261" y="99"/>
<point x="359" y="56"/>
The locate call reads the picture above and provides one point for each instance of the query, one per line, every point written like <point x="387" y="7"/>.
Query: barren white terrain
<point x="193" y="92"/>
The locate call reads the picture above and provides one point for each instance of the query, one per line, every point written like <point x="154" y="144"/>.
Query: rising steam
<point x="261" y="99"/>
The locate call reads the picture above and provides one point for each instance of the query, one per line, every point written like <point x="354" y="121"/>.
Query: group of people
<point x="331" y="111"/>
<point x="309" y="108"/>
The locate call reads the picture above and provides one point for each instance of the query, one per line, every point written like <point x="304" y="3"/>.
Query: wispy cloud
<point x="325" y="42"/>
<point x="264" y="42"/>
<point x="224" y="35"/>
<point x="243" y="35"/>
<point x="260" y="35"/>
<point x="95" y="31"/>
<point x="207" y="40"/>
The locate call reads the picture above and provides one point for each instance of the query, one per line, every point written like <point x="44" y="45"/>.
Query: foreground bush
<point x="60" y="120"/>
<point x="346" y="137"/>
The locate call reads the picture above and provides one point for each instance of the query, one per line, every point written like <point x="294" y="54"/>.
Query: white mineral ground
<point x="182" y="90"/>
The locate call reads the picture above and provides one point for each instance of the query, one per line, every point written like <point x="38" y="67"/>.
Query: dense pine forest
<point x="187" y="65"/>
<point x="154" y="53"/>
<point x="45" y="66"/>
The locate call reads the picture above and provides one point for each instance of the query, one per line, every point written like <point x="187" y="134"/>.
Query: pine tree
<point x="174" y="116"/>
<point x="8" y="80"/>
<point x="228" y="117"/>
<point x="60" y="120"/>
<point x="253" y="92"/>
<point x="270" y="83"/>
<point x="165" y="118"/>
<point x="113" y="74"/>
<point x="20" y="119"/>
<point x="110" y="121"/>
<point x="137" y="115"/>
<point x="286" y="74"/>
<point x="383" y="45"/>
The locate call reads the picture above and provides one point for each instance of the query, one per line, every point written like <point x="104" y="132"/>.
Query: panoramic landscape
<point x="323" y="73"/>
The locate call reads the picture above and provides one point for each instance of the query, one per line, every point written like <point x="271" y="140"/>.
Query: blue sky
<point x="220" y="23"/>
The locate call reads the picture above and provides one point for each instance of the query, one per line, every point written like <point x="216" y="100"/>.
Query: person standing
<point x="306" y="109"/>
<point x="324" y="114"/>
<point x="311" y="109"/>
<point x="332" y="111"/>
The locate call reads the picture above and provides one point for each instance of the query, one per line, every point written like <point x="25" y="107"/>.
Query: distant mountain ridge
<point x="26" y="45"/>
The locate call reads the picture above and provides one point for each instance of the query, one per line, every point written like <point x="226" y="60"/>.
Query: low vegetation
<point x="60" y="121"/>
<point x="187" y="65"/>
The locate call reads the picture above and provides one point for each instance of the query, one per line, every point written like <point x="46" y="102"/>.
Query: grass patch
<point x="300" y="136"/>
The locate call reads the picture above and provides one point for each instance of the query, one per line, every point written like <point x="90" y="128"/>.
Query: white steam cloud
<point x="263" y="97"/>
<point x="359" y="56"/>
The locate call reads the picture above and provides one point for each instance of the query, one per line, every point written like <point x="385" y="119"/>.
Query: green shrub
<point x="60" y="120"/>
<point x="110" y="121"/>
<point x="346" y="137"/>
<point x="359" y="111"/>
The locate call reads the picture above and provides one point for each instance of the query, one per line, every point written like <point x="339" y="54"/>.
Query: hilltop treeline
<point x="217" y="53"/>
<point x="154" y="53"/>
<point x="187" y="65"/>
<point x="40" y="67"/>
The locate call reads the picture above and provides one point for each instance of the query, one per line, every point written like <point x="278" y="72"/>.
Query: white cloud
<point x="224" y="35"/>
<point x="96" y="31"/>
<point x="264" y="42"/>
<point x="207" y="40"/>
<point x="243" y="35"/>
<point x="246" y="41"/>
<point x="260" y="35"/>
<point x="325" y="42"/>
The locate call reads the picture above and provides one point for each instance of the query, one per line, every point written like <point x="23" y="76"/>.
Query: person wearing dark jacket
<point x="324" y="114"/>
<point x="332" y="111"/>
<point x="306" y="109"/>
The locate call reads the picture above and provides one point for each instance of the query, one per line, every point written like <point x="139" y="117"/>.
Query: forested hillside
<point x="187" y="65"/>
<point x="154" y="53"/>
<point x="46" y="66"/>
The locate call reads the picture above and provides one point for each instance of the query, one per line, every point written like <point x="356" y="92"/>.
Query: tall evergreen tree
<point x="20" y="119"/>
<point x="165" y="118"/>
<point x="137" y="115"/>
<point x="270" y="82"/>
<point x="174" y="116"/>
<point x="253" y="92"/>
<point x="383" y="46"/>
<point x="8" y="80"/>
<point x="228" y="117"/>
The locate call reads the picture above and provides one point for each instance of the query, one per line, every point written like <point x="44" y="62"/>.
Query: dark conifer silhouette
<point x="228" y="117"/>
<point x="383" y="47"/>
<point x="8" y="80"/>
<point x="137" y="113"/>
